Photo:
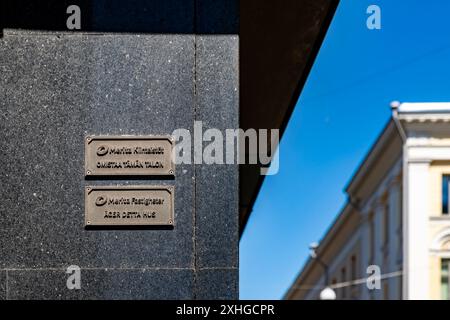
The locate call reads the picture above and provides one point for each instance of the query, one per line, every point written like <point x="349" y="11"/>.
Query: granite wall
<point x="154" y="77"/>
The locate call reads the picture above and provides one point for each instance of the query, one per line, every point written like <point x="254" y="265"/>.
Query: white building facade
<point x="397" y="216"/>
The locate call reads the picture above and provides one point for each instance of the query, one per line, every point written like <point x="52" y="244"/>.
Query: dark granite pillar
<point x="136" y="67"/>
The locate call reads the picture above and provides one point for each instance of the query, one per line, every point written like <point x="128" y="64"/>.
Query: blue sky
<point x="341" y="111"/>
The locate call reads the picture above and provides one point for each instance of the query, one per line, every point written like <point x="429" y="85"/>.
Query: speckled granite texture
<point x="55" y="88"/>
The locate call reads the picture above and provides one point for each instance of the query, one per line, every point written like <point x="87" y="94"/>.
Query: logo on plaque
<point x="129" y="156"/>
<point x="129" y="206"/>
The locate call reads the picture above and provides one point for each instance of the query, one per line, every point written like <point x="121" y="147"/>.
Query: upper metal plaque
<point x="128" y="156"/>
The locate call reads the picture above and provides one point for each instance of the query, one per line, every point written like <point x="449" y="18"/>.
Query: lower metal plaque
<point x="129" y="206"/>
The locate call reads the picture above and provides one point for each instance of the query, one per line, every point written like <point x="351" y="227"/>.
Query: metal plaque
<point x="128" y="156"/>
<point x="129" y="206"/>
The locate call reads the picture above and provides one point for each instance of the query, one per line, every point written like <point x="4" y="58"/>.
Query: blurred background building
<point x="397" y="216"/>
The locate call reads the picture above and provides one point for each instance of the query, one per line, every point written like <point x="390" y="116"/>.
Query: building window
<point x="400" y="209"/>
<point x="386" y="224"/>
<point x="445" y="196"/>
<point x="333" y="286"/>
<point x="386" y="291"/>
<point x="372" y="239"/>
<point x="353" y="266"/>
<point x="354" y="276"/>
<point x="400" y="228"/>
<point x="344" y="285"/>
<point x="445" y="279"/>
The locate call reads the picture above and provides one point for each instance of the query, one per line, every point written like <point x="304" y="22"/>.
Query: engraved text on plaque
<point x="129" y="206"/>
<point x="128" y="156"/>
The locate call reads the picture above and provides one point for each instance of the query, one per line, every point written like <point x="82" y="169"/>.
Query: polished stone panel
<point x="59" y="88"/>
<point x="217" y="107"/>
<point x="102" y="284"/>
<point x="217" y="284"/>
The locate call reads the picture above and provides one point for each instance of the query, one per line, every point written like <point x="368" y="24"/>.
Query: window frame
<point x="386" y="223"/>
<point x="344" y="280"/>
<point x="445" y="203"/>
<point x="445" y="261"/>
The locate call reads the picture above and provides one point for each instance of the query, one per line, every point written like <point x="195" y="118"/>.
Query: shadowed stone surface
<point x="2" y="285"/>
<point x="136" y="16"/>
<point x="217" y="195"/>
<point x="102" y="284"/>
<point x="217" y="284"/>
<point x="217" y="17"/>
<point x="168" y="16"/>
